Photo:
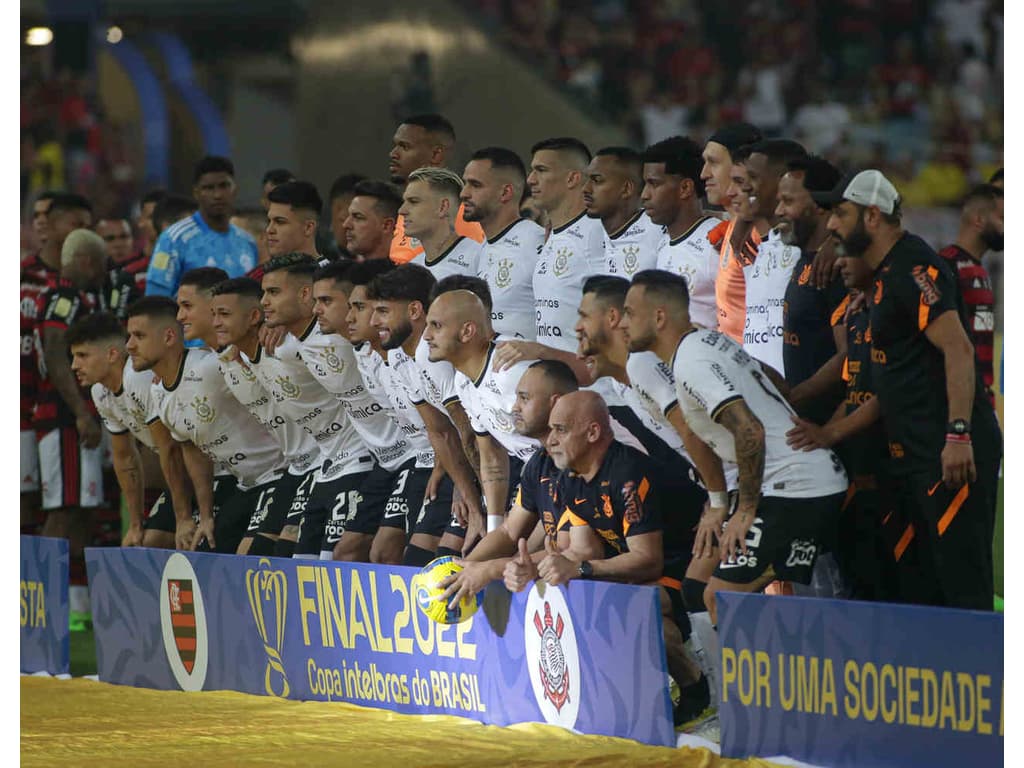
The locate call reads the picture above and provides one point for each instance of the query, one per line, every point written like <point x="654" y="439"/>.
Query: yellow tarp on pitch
<point x="83" y="723"/>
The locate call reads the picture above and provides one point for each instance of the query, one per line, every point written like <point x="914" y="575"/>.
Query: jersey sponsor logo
<point x="720" y="374"/>
<point x="268" y="601"/>
<point x="878" y="356"/>
<point x="552" y="656"/>
<point x="204" y="411"/>
<point x="878" y="291"/>
<point x="929" y="291"/>
<point x="561" y="265"/>
<point x="801" y="552"/>
<point x="62" y="308"/>
<point x="183" y="623"/>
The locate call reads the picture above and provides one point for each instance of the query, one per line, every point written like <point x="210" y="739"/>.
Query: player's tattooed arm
<point x="58" y="368"/>
<point x="128" y="469"/>
<point x="447" y="445"/>
<point x="494" y="474"/>
<point x="466" y="434"/>
<point x="748" y="436"/>
<point x="200" y="472"/>
<point x="172" y="464"/>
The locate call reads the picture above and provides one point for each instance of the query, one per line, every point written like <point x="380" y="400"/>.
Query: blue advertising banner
<point x="843" y="683"/>
<point x="589" y="656"/>
<point x="44" y="605"/>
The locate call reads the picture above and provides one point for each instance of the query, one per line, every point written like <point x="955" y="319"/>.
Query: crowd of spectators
<point x="913" y="86"/>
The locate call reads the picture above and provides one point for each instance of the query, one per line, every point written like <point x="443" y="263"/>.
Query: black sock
<point x="693" y="595"/>
<point x="284" y="548"/>
<point x="417" y="557"/>
<point x="444" y="552"/>
<point x="261" y="545"/>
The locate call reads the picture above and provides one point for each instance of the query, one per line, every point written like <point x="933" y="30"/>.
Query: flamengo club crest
<point x="551" y="656"/>
<point x="183" y="623"/>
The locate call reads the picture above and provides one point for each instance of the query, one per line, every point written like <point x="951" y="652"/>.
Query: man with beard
<point x="813" y="347"/>
<point x="419" y="141"/>
<point x="612" y="194"/>
<point x="981" y="230"/>
<point x="495" y="181"/>
<point x="672" y="198"/>
<point x="429" y="206"/>
<point x="944" y="442"/>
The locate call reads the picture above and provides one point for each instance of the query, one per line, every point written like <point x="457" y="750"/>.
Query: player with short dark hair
<point x="944" y="442"/>
<point x="293" y="213"/>
<point x="788" y="501"/>
<point x="123" y="399"/>
<point x="981" y="231"/>
<point x="339" y="197"/>
<point x="671" y="196"/>
<point x="144" y="226"/>
<point x="271" y="180"/>
<point x="170" y="210"/>
<point x="233" y="462"/>
<point x="372" y="217"/>
<point x="495" y="184"/>
<point x="420" y="141"/>
<point x="471" y="283"/>
<point x="612" y="192"/>
<point x="429" y="205"/>
<point x="207" y="238"/>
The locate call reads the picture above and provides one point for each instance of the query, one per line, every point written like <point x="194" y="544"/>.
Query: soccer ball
<point x="428" y="592"/>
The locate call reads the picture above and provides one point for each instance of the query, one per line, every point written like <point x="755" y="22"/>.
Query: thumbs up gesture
<point x="555" y="568"/>
<point x="520" y="570"/>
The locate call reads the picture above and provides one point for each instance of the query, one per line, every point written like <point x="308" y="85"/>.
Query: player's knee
<point x="709" y="602"/>
<point x="693" y="595"/>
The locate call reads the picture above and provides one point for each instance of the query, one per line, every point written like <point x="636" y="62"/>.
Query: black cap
<point x="735" y="135"/>
<point x="832" y="196"/>
<point x="820" y="176"/>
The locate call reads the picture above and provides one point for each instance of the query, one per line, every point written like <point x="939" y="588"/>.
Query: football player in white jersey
<point x="122" y="399"/>
<point x="459" y="332"/>
<point x="400" y="299"/>
<point x="495" y="180"/>
<point x="430" y="204"/>
<point x="789" y="500"/>
<point x="391" y="490"/>
<point x="612" y="194"/>
<point x="231" y="459"/>
<point x="237" y="317"/>
<point x="574" y="250"/>
<point x="672" y="197"/>
<point x="292" y="218"/>
<point x="288" y="305"/>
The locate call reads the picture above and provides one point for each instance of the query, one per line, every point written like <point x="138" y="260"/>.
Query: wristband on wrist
<point x="494" y="522"/>
<point x="953" y="437"/>
<point x="718" y="499"/>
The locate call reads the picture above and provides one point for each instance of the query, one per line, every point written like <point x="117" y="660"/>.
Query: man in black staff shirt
<point x="812" y="352"/>
<point x="944" y="442"/>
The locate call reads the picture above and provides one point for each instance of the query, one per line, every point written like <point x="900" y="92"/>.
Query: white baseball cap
<point x="866" y="188"/>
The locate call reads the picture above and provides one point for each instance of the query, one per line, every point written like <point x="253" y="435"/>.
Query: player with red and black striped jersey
<point x="40" y="273"/>
<point x="981" y="230"/>
<point x="944" y="442"/>
<point x="123" y="399"/>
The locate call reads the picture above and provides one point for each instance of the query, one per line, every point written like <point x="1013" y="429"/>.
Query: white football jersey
<point x="694" y="258"/>
<point x="332" y="360"/>
<point x="404" y="386"/>
<point x="300" y="398"/>
<point x="437" y="380"/>
<point x="130" y="409"/>
<point x="198" y="406"/>
<point x="297" y="445"/>
<point x="460" y="259"/>
<point x="377" y="378"/>
<point x="488" y="402"/>
<point x="507" y="261"/>
<point x="572" y="253"/>
<point x="633" y="247"/>
<point x="652" y="382"/>
<point x="712" y="371"/>
<point x="766" y="280"/>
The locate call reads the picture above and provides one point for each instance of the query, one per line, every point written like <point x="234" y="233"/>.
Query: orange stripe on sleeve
<point x="923" y="308"/>
<point x="645" y="486"/>
<point x="953" y="509"/>
<point x="846" y="369"/>
<point x="837" y="316"/>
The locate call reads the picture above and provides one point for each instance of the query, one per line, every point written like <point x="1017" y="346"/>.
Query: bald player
<point x="495" y="182"/>
<point x="430" y="204"/>
<point x="611" y="193"/>
<point x="419" y="141"/>
<point x="574" y="250"/>
<point x="458" y="331"/>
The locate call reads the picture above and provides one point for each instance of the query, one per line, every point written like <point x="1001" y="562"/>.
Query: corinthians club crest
<point x="630" y="258"/>
<point x="503" y="279"/>
<point x="204" y="411"/>
<point x="552" y="656"/>
<point x="561" y="265"/>
<point x="289" y="389"/>
<point x="332" y="361"/>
